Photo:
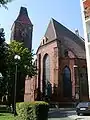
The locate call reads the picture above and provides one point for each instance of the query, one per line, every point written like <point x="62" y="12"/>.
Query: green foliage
<point x="2" y="49"/>
<point x="25" y="64"/>
<point x="37" y="110"/>
<point x="3" y="54"/>
<point x="2" y="36"/>
<point x="4" y="2"/>
<point x="25" y="67"/>
<point x="6" y="116"/>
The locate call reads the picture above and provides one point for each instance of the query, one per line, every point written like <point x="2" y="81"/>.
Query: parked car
<point x="83" y="108"/>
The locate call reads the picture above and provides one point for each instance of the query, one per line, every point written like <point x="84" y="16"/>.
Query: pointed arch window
<point x="46" y="68"/>
<point x="67" y="85"/>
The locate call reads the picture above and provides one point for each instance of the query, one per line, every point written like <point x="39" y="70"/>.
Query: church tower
<point x="22" y="29"/>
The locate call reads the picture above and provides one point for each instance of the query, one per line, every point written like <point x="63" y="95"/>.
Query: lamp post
<point x="17" y="58"/>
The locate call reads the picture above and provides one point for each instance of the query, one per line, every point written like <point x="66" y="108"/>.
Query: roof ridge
<point x="66" y="28"/>
<point x="52" y="21"/>
<point x="80" y="37"/>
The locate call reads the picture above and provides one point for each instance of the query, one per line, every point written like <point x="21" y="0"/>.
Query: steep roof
<point x="57" y="31"/>
<point x="23" y="16"/>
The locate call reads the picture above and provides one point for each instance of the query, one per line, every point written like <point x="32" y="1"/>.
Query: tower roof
<point x="23" y="16"/>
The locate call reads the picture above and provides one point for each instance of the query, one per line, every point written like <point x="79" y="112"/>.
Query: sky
<point x="67" y="12"/>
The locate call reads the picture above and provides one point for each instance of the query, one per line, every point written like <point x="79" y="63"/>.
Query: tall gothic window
<point x="46" y="66"/>
<point x="67" y="85"/>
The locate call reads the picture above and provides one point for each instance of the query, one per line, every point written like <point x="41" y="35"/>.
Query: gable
<point x="62" y="31"/>
<point x="50" y="32"/>
<point x="57" y="31"/>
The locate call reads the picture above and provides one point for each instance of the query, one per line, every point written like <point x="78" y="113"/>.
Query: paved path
<point x="65" y="114"/>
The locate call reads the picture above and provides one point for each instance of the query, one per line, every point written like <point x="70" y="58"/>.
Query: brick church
<point x="61" y="63"/>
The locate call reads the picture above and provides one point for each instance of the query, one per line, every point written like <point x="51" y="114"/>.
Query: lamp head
<point x="17" y="57"/>
<point x="75" y="66"/>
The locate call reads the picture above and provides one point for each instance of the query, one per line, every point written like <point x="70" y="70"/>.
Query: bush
<point x="37" y="110"/>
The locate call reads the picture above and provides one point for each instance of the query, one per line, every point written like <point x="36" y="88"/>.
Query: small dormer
<point x="44" y="40"/>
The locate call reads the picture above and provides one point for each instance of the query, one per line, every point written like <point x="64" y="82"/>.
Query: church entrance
<point x="67" y="84"/>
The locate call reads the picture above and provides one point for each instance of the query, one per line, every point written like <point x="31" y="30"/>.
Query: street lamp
<point x="17" y="58"/>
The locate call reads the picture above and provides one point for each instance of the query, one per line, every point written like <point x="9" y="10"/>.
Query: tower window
<point x="66" y="53"/>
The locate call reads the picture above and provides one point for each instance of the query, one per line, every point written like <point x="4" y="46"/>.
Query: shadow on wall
<point x="47" y="95"/>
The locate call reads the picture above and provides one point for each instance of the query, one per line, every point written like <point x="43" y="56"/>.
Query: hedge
<point x="37" y="110"/>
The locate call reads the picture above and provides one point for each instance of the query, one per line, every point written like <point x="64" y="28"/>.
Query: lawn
<point x="6" y="116"/>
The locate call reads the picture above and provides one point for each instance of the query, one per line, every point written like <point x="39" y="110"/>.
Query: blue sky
<point x="67" y="12"/>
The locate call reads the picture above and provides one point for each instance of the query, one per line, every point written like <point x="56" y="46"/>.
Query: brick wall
<point x="30" y="86"/>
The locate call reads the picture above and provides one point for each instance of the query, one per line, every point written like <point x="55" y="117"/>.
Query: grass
<point x="6" y="116"/>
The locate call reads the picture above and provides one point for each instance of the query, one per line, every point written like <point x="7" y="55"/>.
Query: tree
<point x="2" y="38"/>
<point x="4" y="3"/>
<point x="25" y="67"/>
<point x="3" y="52"/>
<point x="2" y="49"/>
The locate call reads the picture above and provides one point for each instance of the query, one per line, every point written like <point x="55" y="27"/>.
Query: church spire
<point x="23" y="11"/>
<point x="22" y="29"/>
<point x="23" y="16"/>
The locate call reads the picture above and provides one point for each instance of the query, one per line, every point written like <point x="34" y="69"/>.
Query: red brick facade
<point x="74" y="59"/>
<point x="57" y="64"/>
<point x="30" y="87"/>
